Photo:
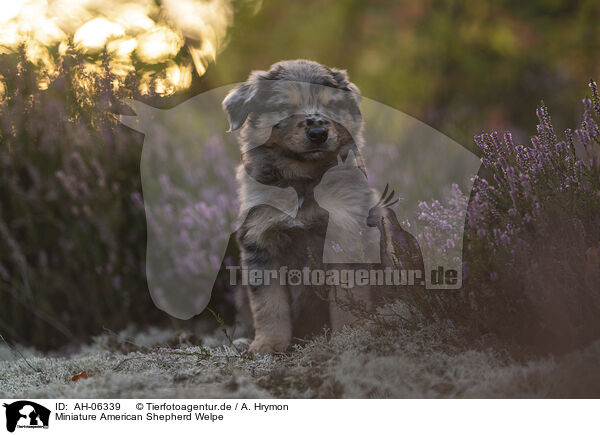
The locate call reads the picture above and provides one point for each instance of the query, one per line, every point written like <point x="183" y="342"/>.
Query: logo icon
<point x="26" y="414"/>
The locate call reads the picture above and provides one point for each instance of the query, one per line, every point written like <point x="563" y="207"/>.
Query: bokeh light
<point x="94" y="34"/>
<point x="162" y="41"/>
<point x="158" y="44"/>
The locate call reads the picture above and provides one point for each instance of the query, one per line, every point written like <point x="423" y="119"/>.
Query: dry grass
<point x="364" y="362"/>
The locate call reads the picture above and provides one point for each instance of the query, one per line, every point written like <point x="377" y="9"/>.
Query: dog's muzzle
<point x="317" y="128"/>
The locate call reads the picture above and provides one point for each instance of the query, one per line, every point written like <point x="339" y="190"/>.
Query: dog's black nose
<point x="317" y="134"/>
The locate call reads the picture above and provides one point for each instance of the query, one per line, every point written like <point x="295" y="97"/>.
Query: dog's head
<point x="299" y="109"/>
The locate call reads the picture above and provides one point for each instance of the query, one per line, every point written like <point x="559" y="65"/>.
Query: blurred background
<point x="460" y="66"/>
<point x="72" y="224"/>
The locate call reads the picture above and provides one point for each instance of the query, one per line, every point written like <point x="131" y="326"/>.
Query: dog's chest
<point x="309" y="214"/>
<point x="295" y="238"/>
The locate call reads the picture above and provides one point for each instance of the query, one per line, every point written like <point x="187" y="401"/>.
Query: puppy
<point x="295" y="123"/>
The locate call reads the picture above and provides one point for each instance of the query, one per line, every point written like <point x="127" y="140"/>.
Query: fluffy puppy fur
<point x="294" y="123"/>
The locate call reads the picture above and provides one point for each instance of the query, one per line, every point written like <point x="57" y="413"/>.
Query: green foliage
<point x="461" y="66"/>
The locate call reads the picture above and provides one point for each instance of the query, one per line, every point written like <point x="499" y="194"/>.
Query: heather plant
<point x="72" y="219"/>
<point x="443" y="218"/>
<point x="73" y="224"/>
<point x="533" y="213"/>
<point x="71" y="237"/>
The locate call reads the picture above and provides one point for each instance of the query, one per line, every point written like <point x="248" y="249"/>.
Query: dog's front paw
<point x="265" y="345"/>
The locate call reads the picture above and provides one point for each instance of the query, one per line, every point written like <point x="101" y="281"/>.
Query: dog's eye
<point x="285" y="107"/>
<point x="338" y="105"/>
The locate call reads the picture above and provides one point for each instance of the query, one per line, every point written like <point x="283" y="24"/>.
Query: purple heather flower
<point x="595" y="97"/>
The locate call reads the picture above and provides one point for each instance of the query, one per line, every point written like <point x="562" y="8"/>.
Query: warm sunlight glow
<point x="134" y="17"/>
<point x="95" y="33"/>
<point x="201" y="56"/>
<point x="10" y="9"/>
<point x="205" y="34"/>
<point x="122" y="48"/>
<point x="9" y="35"/>
<point x="158" y="44"/>
<point x="180" y="76"/>
<point x="134" y="33"/>
<point x="39" y="55"/>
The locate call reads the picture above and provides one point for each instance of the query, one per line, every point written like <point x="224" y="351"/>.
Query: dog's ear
<point x="341" y="77"/>
<point x="238" y="102"/>
<point x="236" y="105"/>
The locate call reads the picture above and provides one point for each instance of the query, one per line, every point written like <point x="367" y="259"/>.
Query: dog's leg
<point x="269" y="300"/>
<point x="347" y="305"/>
<point x="272" y="318"/>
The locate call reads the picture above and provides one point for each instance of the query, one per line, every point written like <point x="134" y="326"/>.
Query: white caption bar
<point x="155" y="416"/>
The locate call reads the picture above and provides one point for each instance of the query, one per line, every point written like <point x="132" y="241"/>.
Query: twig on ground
<point x="15" y="350"/>
<point x="221" y="323"/>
